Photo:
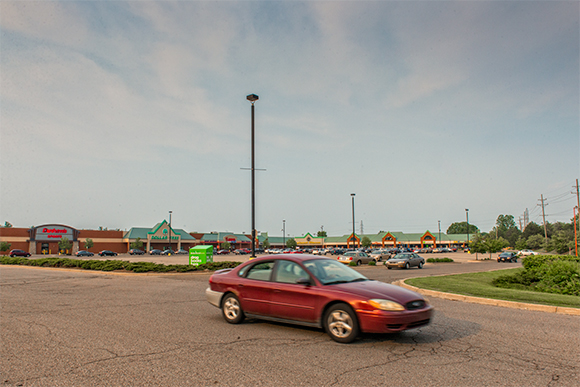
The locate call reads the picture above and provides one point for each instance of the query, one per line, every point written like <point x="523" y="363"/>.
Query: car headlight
<point x="386" y="305"/>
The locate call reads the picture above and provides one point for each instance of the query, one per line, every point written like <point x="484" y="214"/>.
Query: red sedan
<point x="317" y="292"/>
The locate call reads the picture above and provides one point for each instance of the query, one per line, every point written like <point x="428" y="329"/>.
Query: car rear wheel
<point x="341" y="324"/>
<point x="358" y="263"/>
<point x="232" y="310"/>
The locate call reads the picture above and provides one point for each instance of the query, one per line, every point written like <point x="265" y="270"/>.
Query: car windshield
<point x="329" y="271"/>
<point x="401" y="256"/>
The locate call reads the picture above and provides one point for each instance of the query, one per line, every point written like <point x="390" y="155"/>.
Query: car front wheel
<point x="341" y="324"/>
<point x="407" y="266"/>
<point x="232" y="310"/>
<point x="420" y="266"/>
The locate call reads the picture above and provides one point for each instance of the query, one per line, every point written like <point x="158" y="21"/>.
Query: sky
<point x="114" y="113"/>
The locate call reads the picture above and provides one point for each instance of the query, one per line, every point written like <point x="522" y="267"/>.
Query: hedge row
<point x="433" y="260"/>
<point x="111" y="265"/>
<point x="558" y="274"/>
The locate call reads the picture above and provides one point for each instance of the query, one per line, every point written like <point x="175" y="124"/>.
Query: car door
<point x="291" y="300"/>
<point x="255" y="288"/>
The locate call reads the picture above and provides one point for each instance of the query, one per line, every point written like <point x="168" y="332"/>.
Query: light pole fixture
<point x="170" y="212"/>
<point x="353" y="224"/>
<point x="284" y="232"/>
<point x="439" y="223"/>
<point x="253" y="98"/>
<point x="467" y="219"/>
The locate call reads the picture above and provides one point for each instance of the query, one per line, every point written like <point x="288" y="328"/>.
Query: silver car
<point x="355" y="256"/>
<point x="405" y="261"/>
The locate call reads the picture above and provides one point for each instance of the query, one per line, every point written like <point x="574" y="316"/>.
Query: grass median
<point x="115" y="265"/>
<point x="479" y="285"/>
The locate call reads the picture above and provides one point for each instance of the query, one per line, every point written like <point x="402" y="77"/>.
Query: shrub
<point x="433" y="260"/>
<point x="352" y="263"/>
<point x="372" y="263"/>
<point x="545" y="273"/>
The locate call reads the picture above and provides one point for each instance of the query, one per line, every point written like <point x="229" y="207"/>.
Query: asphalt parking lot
<point x="76" y="328"/>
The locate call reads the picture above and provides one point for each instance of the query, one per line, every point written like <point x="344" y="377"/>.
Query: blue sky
<point x="114" y="113"/>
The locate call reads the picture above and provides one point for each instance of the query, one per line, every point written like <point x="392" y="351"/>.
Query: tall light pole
<point x="284" y="232"/>
<point x="253" y="98"/>
<point x="439" y="223"/>
<point x="353" y="238"/>
<point x="170" y="212"/>
<point x="467" y="218"/>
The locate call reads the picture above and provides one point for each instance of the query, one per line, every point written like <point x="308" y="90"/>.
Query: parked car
<point x="155" y="252"/>
<point x="223" y="252"/>
<point x="19" y="253"/>
<point x="242" y="251"/>
<point x="525" y="253"/>
<point x="167" y="252"/>
<point x="405" y="261"/>
<point x="84" y="253"/>
<point x="379" y="255"/>
<point x="136" y="252"/>
<point x="316" y="292"/>
<point x="355" y="256"/>
<point x="181" y="252"/>
<point x="107" y="253"/>
<point x="507" y="256"/>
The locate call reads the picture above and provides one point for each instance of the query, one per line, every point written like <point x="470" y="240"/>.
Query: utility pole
<point x="577" y="204"/>
<point x="544" y="218"/>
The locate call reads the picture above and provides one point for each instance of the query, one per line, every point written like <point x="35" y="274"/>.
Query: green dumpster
<point x="200" y="255"/>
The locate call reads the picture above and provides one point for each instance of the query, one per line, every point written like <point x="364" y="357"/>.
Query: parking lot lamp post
<point x="284" y="233"/>
<point x="170" y="212"/>
<point x="467" y="219"/>
<point x="353" y="225"/>
<point x="439" y="222"/>
<point x="253" y="98"/>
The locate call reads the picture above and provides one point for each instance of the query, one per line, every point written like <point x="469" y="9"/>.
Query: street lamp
<point x="439" y="223"/>
<point x="467" y="218"/>
<point x="353" y="238"/>
<point x="170" y="212"/>
<point x="253" y="98"/>
<point x="284" y="233"/>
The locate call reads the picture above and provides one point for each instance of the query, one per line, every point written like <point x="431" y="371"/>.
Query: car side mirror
<point x="304" y="281"/>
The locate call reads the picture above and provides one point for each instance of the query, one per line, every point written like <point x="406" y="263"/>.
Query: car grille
<point x="413" y="305"/>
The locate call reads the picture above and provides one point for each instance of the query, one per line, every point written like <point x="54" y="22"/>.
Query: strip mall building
<point x="45" y="239"/>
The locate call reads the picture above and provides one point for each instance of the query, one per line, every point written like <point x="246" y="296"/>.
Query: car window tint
<point x="288" y="272"/>
<point x="261" y="271"/>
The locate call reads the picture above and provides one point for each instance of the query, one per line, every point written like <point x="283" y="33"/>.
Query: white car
<point x="525" y="253"/>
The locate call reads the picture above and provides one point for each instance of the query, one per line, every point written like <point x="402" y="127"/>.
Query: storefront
<point x="160" y="237"/>
<point x="44" y="239"/>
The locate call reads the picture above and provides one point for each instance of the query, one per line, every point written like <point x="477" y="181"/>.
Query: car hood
<point x="376" y="289"/>
<point x="398" y="260"/>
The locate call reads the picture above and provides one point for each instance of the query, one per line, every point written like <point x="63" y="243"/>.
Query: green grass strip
<point x="112" y="265"/>
<point x="479" y="285"/>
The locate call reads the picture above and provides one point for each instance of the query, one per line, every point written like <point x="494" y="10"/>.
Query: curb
<point x="88" y="271"/>
<point x="490" y="301"/>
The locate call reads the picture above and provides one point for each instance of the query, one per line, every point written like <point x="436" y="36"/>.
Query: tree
<point x="266" y="243"/>
<point x="532" y="229"/>
<point x="505" y="222"/>
<point x="521" y="243"/>
<point x="4" y="247"/>
<point x="138" y="244"/>
<point x="291" y="243"/>
<point x="226" y="245"/>
<point x="486" y="243"/>
<point x="535" y="242"/>
<point x="512" y="235"/>
<point x="88" y="243"/>
<point x="64" y="244"/>
<point x="365" y="241"/>
<point x="461" y="228"/>
<point x="321" y="234"/>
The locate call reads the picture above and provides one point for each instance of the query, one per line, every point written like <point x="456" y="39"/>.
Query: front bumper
<point x="213" y="297"/>
<point x="395" y="264"/>
<point x="379" y="321"/>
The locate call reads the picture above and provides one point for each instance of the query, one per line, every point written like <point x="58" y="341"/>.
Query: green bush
<point x="433" y="260"/>
<point x="352" y="263"/>
<point x="545" y="273"/>
<point x="372" y="263"/>
<point x="111" y="265"/>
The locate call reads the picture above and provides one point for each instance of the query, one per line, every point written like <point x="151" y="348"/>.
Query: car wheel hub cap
<point x="340" y="323"/>
<point x="232" y="308"/>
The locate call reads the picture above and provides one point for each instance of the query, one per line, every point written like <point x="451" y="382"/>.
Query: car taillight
<point x="350" y="259"/>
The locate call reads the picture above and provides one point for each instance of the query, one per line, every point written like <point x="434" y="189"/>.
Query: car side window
<point x="288" y="272"/>
<point x="262" y="271"/>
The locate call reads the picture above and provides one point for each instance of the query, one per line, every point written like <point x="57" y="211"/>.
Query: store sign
<point x="173" y="237"/>
<point x="53" y="233"/>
